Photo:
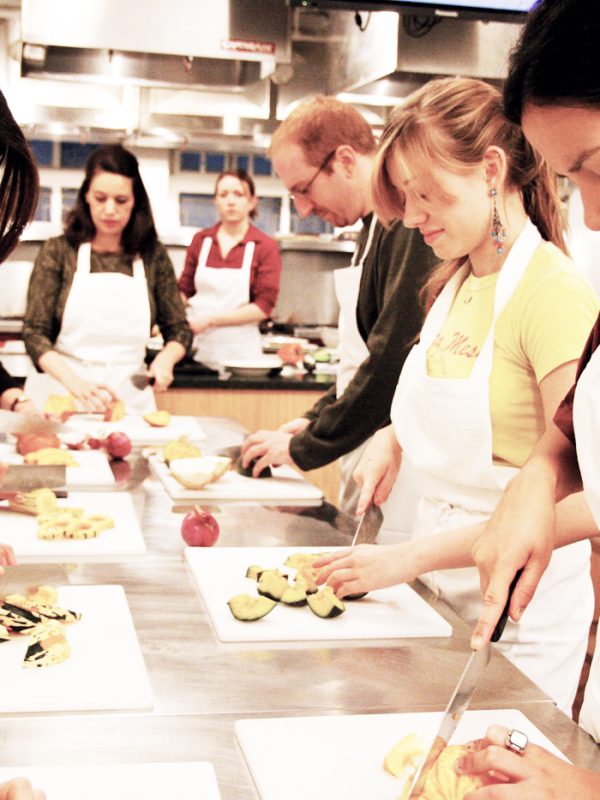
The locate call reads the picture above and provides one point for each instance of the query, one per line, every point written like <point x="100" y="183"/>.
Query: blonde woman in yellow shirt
<point x="508" y="316"/>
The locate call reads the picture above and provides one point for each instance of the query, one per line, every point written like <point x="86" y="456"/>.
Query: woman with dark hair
<point x="231" y="276"/>
<point x="96" y="291"/>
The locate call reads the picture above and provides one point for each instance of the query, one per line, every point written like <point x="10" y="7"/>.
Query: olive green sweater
<point x="51" y="281"/>
<point x="389" y="317"/>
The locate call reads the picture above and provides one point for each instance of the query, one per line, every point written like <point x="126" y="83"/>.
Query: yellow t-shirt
<point x="544" y="325"/>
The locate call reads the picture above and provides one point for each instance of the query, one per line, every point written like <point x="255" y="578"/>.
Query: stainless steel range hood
<point x="224" y="44"/>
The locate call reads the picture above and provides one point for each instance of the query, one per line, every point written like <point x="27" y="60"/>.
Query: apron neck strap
<point x="367" y="247"/>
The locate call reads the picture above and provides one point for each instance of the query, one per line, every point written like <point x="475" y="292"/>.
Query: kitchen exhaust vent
<point x="229" y="44"/>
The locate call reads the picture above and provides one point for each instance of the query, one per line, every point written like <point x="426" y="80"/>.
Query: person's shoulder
<point x="56" y="247"/>
<point x="202" y="234"/>
<point x="550" y="266"/>
<point x="255" y="234"/>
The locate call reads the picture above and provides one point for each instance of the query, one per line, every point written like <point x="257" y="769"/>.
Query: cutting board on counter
<point x="286" y="488"/>
<point x="93" y="468"/>
<point x="343" y="755"/>
<point x="125" y="539"/>
<point x="390" y="613"/>
<point x="105" y="671"/>
<point x="191" y="779"/>
<point x="139" y="431"/>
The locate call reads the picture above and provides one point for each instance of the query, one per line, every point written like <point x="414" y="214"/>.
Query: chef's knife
<point x="27" y="477"/>
<point x="14" y="422"/>
<point x="368" y="526"/>
<point x="141" y="380"/>
<point x="461" y="697"/>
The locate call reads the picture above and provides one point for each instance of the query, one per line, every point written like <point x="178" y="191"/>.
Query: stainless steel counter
<point x="201" y="685"/>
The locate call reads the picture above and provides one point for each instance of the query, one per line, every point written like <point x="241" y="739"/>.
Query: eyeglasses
<point x="302" y="193"/>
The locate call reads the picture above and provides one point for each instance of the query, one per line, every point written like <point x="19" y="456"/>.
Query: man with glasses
<point x="323" y="153"/>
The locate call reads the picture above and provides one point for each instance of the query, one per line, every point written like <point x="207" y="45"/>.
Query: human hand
<point x="295" y="426"/>
<point x="94" y="397"/>
<point x="29" y="407"/>
<point x="20" y="789"/>
<point x="366" y="567"/>
<point x="162" y="373"/>
<point x="378" y="469"/>
<point x="7" y="557"/>
<point x="520" y="533"/>
<point x="533" y="775"/>
<point x="266" y="448"/>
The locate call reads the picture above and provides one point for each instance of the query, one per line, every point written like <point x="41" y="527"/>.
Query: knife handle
<point x="501" y="624"/>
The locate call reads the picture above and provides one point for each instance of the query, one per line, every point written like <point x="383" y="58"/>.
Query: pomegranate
<point x="94" y="442"/>
<point x="199" y="528"/>
<point x="117" y="445"/>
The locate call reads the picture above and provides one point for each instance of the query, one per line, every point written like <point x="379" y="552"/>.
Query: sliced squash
<point x="51" y="456"/>
<point x="405" y="756"/>
<point x="180" y="448"/>
<point x="297" y="560"/>
<point x="247" y="471"/>
<point x="38" y="501"/>
<point x="294" y="596"/>
<point x="305" y="577"/>
<point x="158" y="419"/>
<point x="194" y="473"/>
<point x="272" y="584"/>
<point x="325" y="604"/>
<point x="248" y="609"/>
<point x="58" y="404"/>
<point x="254" y="572"/>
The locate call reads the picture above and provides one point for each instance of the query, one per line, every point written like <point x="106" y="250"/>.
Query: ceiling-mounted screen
<point x="511" y="10"/>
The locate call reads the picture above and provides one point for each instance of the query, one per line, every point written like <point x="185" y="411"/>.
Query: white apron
<point x="586" y="420"/>
<point x="221" y="290"/>
<point x="444" y="428"/>
<point x="103" y="334"/>
<point x="352" y="352"/>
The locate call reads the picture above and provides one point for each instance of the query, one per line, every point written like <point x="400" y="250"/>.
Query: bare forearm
<point x="171" y="354"/>
<point x="243" y="315"/>
<point x="53" y="364"/>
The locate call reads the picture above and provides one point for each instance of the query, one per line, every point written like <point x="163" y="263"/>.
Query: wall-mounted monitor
<point x="503" y="10"/>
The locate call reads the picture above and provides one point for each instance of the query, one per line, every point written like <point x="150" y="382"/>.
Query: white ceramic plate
<point x="254" y="367"/>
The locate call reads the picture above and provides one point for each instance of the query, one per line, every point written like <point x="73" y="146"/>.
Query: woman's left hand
<point x="266" y="448"/>
<point x="365" y="568"/>
<point x="533" y="775"/>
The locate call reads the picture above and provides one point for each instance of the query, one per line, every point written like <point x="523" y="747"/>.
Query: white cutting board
<point x="125" y="539"/>
<point x="343" y="755"/>
<point x="93" y="468"/>
<point x="192" y="779"/>
<point x="105" y="671"/>
<point x="139" y="431"/>
<point x="383" y="614"/>
<point x="286" y="487"/>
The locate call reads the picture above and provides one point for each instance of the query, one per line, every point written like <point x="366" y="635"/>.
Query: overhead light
<point x="231" y="124"/>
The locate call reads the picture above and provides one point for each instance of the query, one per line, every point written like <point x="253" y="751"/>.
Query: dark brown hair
<point x="19" y="187"/>
<point x="140" y="236"/>
<point x="242" y="176"/>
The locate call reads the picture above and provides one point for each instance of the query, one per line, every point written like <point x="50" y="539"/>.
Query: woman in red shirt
<point x="230" y="281"/>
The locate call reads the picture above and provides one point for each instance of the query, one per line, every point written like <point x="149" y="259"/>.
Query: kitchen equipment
<point x="105" y="671"/>
<point x="271" y="344"/>
<point x="391" y="613"/>
<point x="141" y="380"/>
<point x="263" y="367"/>
<point x="115" y="544"/>
<point x="368" y="526"/>
<point x="25" y="478"/>
<point x="13" y="422"/>
<point x="286" y="488"/>
<point x="93" y="469"/>
<point x="152" y="781"/>
<point x="139" y="431"/>
<point x="460" y="699"/>
<point x="343" y="754"/>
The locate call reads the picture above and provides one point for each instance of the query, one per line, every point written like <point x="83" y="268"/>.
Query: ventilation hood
<point x="224" y="44"/>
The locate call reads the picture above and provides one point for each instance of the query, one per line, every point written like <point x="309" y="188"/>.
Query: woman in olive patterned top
<point x="96" y="291"/>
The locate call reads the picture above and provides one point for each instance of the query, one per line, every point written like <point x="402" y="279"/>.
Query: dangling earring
<point x="498" y="230"/>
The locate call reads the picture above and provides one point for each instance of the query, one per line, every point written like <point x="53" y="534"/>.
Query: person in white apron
<point x="103" y="315"/>
<point x="323" y="152"/>
<point x="444" y="424"/>
<point x="227" y="299"/>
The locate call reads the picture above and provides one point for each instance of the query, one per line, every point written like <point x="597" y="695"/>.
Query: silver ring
<point x="517" y="741"/>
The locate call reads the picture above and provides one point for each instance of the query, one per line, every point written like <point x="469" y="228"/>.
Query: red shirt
<point x="265" y="271"/>
<point x="563" y="418"/>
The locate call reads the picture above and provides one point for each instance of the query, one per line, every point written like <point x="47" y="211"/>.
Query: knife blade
<point x="14" y="422"/>
<point x="368" y="526"/>
<point x="25" y="478"/>
<point x="141" y="380"/>
<point x="459" y="701"/>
